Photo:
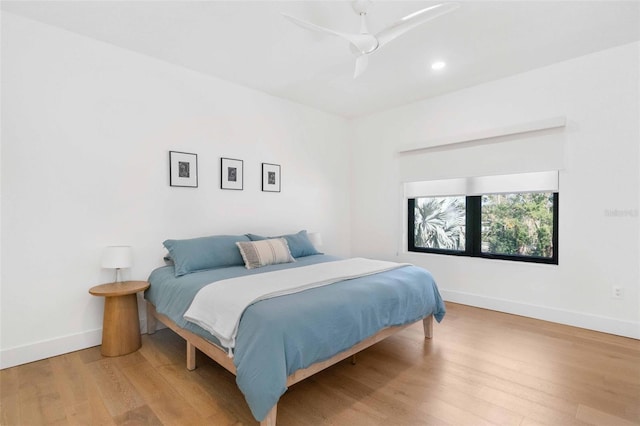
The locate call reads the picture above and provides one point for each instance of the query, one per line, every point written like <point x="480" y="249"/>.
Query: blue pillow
<point x="299" y="244"/>
<point x="199" y="254"/>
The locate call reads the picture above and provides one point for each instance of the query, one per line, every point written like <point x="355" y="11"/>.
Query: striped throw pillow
<point x="265" y="252"/>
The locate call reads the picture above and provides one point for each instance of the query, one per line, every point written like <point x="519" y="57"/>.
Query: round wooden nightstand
<point x="120" y="325"/>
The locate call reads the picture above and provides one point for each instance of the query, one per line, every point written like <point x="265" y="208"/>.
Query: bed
<point x="283" y="340"/>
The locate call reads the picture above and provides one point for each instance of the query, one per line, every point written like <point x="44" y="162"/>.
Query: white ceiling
<point x="250" y="43"/>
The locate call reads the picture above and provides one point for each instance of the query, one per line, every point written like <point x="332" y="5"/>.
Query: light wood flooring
<point x="481" y="368"/>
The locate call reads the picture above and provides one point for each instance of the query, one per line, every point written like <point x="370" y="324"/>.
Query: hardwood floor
<point x="481" y="368"/>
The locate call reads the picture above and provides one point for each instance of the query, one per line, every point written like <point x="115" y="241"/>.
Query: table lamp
<point x="117" y="257"/>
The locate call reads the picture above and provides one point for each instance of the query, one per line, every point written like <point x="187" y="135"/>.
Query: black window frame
<point x="473" y="236"/>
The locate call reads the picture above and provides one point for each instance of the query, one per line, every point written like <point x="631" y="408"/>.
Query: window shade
<point x="521" y="182"/>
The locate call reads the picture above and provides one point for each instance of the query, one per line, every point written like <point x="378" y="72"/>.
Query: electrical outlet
<point x="616" y="292"/>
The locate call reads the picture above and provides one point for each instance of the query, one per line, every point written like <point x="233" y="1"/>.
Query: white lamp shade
<point x="117" y="257"/>
<point x="315" y="238"/>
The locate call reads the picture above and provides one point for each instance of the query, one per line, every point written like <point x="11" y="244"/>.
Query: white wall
<point x="597" y="154"/>
<point x="86" y="130"/>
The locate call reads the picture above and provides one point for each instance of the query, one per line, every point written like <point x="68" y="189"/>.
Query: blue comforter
<point x="278" y="336"/>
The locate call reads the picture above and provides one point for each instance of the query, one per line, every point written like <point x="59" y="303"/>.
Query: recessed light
<point x="438" y="65"/>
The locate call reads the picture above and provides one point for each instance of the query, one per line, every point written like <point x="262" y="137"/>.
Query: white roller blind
<point x="511" y="183"/>
<point x="492" y="152"/>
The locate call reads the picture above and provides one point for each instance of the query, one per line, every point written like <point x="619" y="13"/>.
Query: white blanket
<point x="218" y="306"/>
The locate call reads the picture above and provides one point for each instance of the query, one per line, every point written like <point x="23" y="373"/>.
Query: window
<point x="440" y="223"/>
<point x="520" y="226"/>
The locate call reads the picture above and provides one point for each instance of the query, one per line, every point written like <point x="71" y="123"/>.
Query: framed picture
<point x="231" y="173"/>
<point x="270" y="177"/>
<point x="183" y="169"/>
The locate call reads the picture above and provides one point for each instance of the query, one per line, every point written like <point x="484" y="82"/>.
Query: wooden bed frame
<point x="220" y="356"/>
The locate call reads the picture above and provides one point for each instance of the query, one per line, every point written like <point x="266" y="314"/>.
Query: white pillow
<point x="265" y="252"/>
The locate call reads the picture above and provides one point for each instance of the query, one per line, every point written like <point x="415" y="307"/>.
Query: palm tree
<point x="440" y="223"/>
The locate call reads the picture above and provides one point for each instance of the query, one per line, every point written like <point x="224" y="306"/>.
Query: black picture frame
<point x="183" y="169"/>
<point x="271" y="177"/>
<point x="231" y="174"/>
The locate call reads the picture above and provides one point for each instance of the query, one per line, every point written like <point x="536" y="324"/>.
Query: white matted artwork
<point x="183" y="169"/>
<point x="231" y="173"/>
<point x="270" y="177"/>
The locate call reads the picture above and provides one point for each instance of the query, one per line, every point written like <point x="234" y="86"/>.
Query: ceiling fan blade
<point x="312" y="27"/>
<point x="364" y="43"/>
<point x="413" y="20"/>
<point x="361" y="65"/>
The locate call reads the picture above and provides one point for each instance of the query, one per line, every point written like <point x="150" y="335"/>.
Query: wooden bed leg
<point x="353" y="359"/>
<point x="152" y="322"/>
<point x="427" y="323"/>
<point x="191" y="357"/>
<point x="270" y="420"/>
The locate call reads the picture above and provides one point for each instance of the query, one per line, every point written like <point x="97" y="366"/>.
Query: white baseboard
<point x="53" y="347"/>
<point x="576" y="319"/>
<point x="49" y="348"/>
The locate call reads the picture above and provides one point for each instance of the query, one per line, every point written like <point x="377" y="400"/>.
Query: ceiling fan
<point x="365" y="43"/>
